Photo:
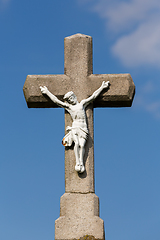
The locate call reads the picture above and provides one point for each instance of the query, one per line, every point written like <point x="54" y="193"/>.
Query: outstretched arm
<point x="45" y="90"/>
<point x="104" y="85"/>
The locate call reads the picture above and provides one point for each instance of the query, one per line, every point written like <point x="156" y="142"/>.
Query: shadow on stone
<point x="87" y="237"/>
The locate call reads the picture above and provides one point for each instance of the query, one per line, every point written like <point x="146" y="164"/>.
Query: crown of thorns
<point x="67" y="95"/>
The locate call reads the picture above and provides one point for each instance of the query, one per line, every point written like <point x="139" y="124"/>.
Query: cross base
<point x="79" y="216"/>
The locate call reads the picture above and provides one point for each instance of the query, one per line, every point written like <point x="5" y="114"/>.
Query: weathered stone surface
<point x="79" y="205"/>
<point x="78" y="78"/>
<point x="74" y="228"/>
<point x="73" y="211"/>
<point x="88" y="237"/>
<point x="79" y="213"/>
<point x="55" y="83"/>
<point x="120" y="93"/>
<point x="78" y="56"/>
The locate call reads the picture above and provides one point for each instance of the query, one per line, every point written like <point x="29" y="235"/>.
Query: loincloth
<point x="69" y="138"/>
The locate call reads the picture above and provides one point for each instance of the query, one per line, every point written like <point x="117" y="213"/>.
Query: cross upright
<point x="79" y="207"/>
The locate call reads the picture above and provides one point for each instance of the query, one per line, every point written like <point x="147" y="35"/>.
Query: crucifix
<point x="83" y="90"/>
<point x="78" y="133"/>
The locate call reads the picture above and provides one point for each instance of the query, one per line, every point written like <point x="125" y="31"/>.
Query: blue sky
<point x="126" y="39"/>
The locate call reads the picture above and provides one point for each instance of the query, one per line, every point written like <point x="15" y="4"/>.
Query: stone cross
<point x="79" y="206"/>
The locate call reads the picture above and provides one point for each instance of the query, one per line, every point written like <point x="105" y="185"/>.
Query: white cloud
<point x="149" y="87"/>
<point x="122" y="15"/>
<point x="154" y="108"/>
<point x="140" y="47"/>
<point x="84" y="1"/>
<point x="4" y="1"/>
<point x="4" y="4"/>
<point x="148" y="98"/>
<point x="136" y="28"/>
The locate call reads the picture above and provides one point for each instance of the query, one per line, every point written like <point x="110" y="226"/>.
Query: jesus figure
<point x="78" y="133"/>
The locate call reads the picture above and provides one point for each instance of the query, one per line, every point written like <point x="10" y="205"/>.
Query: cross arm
<point x="87" y="101"/>
<point x="120" y="93"/>
<point x="57" y="84"/>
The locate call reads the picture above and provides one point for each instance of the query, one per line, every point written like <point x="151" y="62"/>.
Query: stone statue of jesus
<point x="78" y="133"/>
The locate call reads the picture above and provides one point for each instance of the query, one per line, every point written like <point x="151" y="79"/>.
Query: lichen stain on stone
<point x="87" y="237"/>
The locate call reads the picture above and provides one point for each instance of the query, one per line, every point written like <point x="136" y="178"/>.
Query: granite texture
<point x="79" y="78"/>
<point x="79" y="216"/>
<point x="79" y="207"/>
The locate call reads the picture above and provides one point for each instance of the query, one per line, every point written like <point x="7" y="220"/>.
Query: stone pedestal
<point x="79" y="216"/>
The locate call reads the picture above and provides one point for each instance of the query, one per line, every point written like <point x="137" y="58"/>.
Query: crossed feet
<point x="80" y="168"/>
